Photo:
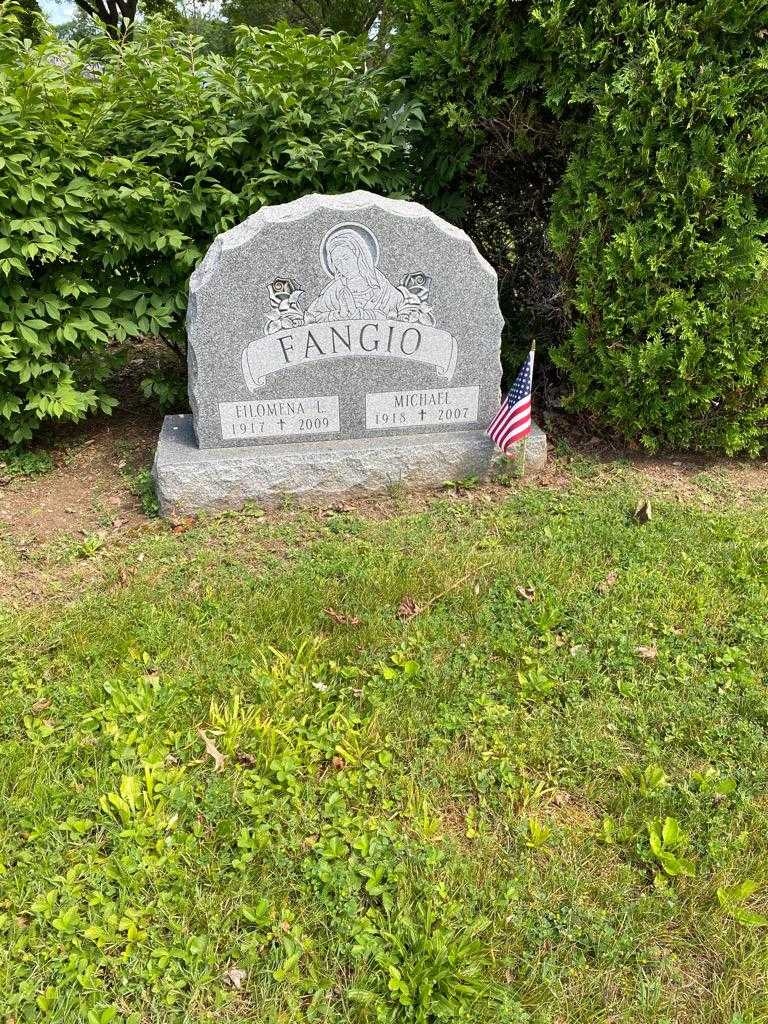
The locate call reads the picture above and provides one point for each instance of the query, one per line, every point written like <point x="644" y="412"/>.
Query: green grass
<point x="500" y="810"/>
<point x="21" y="464"/>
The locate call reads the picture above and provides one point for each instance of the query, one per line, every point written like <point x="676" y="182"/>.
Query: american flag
<point x="513" y="420"/>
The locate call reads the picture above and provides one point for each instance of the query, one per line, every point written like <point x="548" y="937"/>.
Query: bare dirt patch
<point x="671" y="475"/>
<point x="89" y="487"/>
<point x="93" y="482"/>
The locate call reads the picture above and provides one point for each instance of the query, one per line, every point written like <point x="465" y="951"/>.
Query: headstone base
<point x="190" y="479"/>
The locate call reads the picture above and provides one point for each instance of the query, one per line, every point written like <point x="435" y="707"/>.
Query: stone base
<point x="189" y="479"/>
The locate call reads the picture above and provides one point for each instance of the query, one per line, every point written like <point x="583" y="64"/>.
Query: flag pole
<point x="525" y="439"/>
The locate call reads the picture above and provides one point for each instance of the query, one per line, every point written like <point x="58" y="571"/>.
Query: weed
<point x="143" y="486"/>
<point x="89" y="546"/>
<point x="15" y="463"/>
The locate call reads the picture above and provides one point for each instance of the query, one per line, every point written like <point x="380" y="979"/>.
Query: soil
<point x="92" y="484"/>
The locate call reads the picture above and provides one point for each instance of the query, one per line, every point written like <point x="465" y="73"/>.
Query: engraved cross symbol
<point x="422" y="414"/>
<point x="282" y="425"/>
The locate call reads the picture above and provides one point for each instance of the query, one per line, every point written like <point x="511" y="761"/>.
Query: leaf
<point x="407" y="609"/>
<point x="750" y="918"/>
<point x="648" y="653"/>
<point x="652" y="779"/>
<point x="732" y="899"/>
<point x="210" y="748"/>
<point x="744" y="890"/>
<point x="642" y="513"/>
<point x="670" y="832"/>
<point x="674" y="865"/>
<point x="526" y="593"/>
<point x="182" y="525"/>
<point x="341" y="618"/>
<point x="234" y="977"/>
<point x="608" y="582"/>
<point x="655" y="842"/>
<point x="608" y="830"/>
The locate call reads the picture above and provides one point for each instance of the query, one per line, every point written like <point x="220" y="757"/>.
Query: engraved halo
<point x="365" y="235"/>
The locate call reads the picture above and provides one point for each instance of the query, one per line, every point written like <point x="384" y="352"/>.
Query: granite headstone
<point x="337" y="345"/>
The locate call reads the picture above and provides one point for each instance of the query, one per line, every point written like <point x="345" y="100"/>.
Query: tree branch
<point x="314" y="23"/>
<point x="87" y="8"/>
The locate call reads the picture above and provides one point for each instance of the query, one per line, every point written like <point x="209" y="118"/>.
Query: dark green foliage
<point x="119" y="163"/>
<point x="352" y="16"/>
<point x="469" y="65"/>
<point x="660" y="219"/>
<point x="26" y="14"/>
<point x="647" y="122"/>
<point x="491" y="154"/>
<point x="658" y="111"/>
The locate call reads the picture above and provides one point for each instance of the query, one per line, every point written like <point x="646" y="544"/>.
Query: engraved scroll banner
<point x="346" y="339"/>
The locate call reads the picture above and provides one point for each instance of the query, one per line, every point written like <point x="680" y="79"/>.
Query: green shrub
<point x="119" y="163"/>
<point x="661" y="217"/>
<point x="659" y="220"/>
<point x="469" y="65"/>
<point x="491" y="154"/>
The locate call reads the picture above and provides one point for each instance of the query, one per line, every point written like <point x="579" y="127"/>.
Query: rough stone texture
<point x="338" y="345"/>
<point x="293" y="272"/>
<point x="189" y="479"/>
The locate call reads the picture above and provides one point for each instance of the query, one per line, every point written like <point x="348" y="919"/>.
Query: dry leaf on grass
<point x="182" y="525"/>
<point x="526" y="593"/>
<point x="649" y="652"/>
<point x="40" y="705"/>
<point x="234" y="977"/>
<point x="608" y="582"/>
<point x="210" y="748"/>
<point x="407" y="609"/>
<point x="341" y="618"/>
<point x="643" y="511"/>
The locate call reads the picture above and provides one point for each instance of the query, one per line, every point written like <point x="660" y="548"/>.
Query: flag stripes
<point x="513" y="420"/>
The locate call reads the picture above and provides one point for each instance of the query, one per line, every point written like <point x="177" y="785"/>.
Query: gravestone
<point x="337" y="345"/>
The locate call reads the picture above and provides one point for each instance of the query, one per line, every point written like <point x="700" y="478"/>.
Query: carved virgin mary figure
<point x="359" y="290"/>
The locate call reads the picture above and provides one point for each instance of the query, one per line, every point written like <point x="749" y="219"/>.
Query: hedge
<point x="658" y="113"/>
<point x="120" y="162"/>
<point x="611" y="157"/>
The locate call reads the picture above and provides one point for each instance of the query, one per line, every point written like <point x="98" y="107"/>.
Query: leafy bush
<point x="659" y="224"/>
<point x="119" y="163"/>
<point x="470" y="67"/>
<point x="491" y="153"/>
<point x="661" y="218"/>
